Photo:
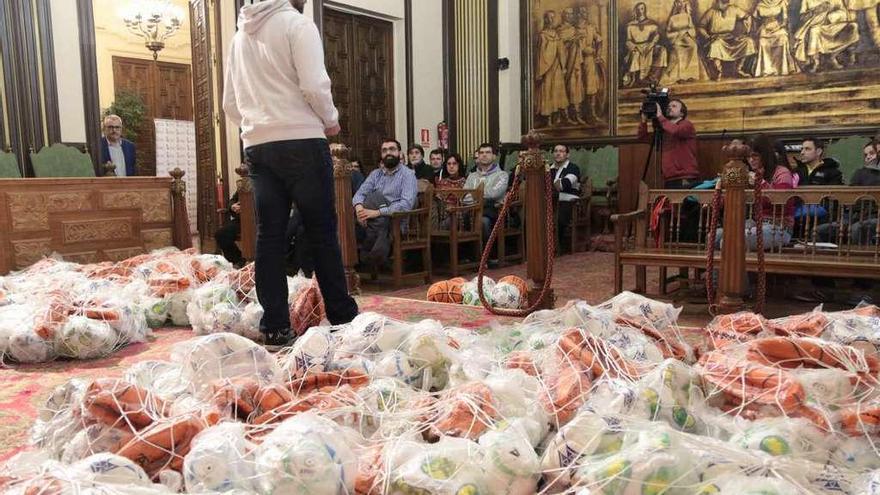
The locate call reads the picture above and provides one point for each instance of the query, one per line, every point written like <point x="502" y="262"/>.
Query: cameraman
<point x="679" y="149"/>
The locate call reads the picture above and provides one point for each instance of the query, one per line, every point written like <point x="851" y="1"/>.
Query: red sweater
<point x="679" y="148"/>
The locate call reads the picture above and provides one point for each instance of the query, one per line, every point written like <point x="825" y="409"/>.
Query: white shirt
<point x="117" y="157"/>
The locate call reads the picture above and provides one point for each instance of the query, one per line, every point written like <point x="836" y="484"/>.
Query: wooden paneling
<point x="359" y="57"/>
<point x="203" y="98"/>
<point x="50" y="85"/>
<point x="86" y="220"/>
<point x="88" y="57"/>
<point x="166" y="89"/>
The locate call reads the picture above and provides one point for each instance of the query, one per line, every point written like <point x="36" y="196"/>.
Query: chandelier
<point x="153" y="20"/>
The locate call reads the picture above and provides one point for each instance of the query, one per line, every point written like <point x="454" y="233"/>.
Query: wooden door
<point x="359" y="57"/>
<point x="206" y="151"/>
<point x="166" y="89"/>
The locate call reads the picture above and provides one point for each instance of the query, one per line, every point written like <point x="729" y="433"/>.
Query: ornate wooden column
<point x="248" y="213"/>
<point x="180" y="235"/>
<point x="734" y="181"/>
<point x="345" y="215"/>
<point x="533" y="165"/>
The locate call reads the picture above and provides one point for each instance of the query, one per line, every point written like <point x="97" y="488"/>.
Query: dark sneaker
<point x="276" y="341"/>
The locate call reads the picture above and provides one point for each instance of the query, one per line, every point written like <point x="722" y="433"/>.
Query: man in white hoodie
<point x="278" y="92"/>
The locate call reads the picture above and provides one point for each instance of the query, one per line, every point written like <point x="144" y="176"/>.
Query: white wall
<point x="510" y="80"/>
<point x="427" y="67"/>
<point x="68" y="71"/>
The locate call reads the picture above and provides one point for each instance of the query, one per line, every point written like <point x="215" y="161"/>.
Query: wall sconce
<point x="153" y="20"/>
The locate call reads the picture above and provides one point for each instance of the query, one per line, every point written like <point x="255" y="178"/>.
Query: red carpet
<point x="24" y="388"/>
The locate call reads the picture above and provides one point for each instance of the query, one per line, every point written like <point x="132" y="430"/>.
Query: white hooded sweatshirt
<point x="276" y="87"/>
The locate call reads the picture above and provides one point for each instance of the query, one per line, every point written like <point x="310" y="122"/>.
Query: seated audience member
<point x="566" y="178"/>
<point x="494" y="180"/>
<point x="776" y="175"/>
<point x="815" y="169"/>
<point x="451" y="178"/>
<point x="863" y="230"/>
<point x="357" y="174"/>
<point x="437" y="163"/>
<point x="389" y="189"/>
<point x="417" y="163"/>
<point x="116" y="149"/>
<point x="230" y="232"/>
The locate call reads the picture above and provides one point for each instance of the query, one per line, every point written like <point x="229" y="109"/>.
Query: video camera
<point x="654" y="97"/>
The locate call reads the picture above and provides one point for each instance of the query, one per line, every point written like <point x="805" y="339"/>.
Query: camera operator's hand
<point x="659" y="112"/>
<point x="644" y="117"/>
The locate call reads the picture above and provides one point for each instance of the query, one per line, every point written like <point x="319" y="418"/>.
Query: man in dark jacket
<point x="115" y="149"/>
<point x="229" y="232"/>
<point x="416" y="155"/>
<point x="566" y="178"/>
<point x="814" y="168"/>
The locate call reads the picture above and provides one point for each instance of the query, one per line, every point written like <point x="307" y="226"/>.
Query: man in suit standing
<point x="116" y="149"/>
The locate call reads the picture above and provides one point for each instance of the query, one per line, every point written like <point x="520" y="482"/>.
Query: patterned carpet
<point x="24" y="388"/>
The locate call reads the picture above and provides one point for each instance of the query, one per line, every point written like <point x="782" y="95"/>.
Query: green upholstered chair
<point x="9" y="166"/>
<point x="60" y="160"/>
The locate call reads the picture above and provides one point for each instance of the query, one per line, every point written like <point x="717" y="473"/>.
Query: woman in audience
<point x="777" y="226"/>
<point x="452" y="178"/>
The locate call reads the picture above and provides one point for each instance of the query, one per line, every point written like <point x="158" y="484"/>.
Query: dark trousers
<point x="225" y="237"/>
<point x="300" y="172"/>
<point x="374" y="242"/>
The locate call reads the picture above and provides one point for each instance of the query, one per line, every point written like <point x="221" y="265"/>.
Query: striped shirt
<point x="399" y="187"/>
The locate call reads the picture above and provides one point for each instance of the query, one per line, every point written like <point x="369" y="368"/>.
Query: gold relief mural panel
<point x="739" y="65"/>
<point x="30" y="251"/>
<point x="569" y="47"/>
<point x="104" y="229"/>
<point x="157" y="238"/>
<point x="122" y="253"/>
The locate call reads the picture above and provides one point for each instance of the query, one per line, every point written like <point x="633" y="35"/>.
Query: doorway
<point x="165" y="88"/>
<point x="359" y="54"/>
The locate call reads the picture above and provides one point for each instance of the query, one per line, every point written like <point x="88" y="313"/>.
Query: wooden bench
<point x="88" y="220"/>
<point x="457" y="220"/>
<point x="638" y="245"/>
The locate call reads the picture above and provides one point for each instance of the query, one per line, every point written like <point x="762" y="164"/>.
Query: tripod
<point x="656" y="152"/>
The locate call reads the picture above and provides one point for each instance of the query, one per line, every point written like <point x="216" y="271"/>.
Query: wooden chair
<point x="60" y="160"/>
<point x="9" y="166"/>
<point x="411" y="232"/>
<point x="459" y="222"/>
<point x="581" y="217"/>
<point x="513" y="227"/>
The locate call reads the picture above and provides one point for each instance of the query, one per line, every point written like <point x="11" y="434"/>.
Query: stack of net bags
<point x="606" y="399"/>
<point x="61" y="309"/>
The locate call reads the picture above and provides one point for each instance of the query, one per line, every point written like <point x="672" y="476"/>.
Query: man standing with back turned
<point x="278" y="92"/>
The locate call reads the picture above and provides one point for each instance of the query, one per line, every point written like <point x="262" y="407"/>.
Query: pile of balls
<point x="510" y="292"/>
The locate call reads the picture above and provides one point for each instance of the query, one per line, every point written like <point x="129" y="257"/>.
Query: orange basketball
<point x="457" y="281"/>
<point x="445" y="292"/>
<point x="518" y="283"/>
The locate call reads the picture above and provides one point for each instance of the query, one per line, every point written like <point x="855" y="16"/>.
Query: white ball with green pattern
<point x="512" y="467"/>
<point x="587" y="434"/>
<point x="111" y="469"/>
<point x="307" y="454"/>
<point x="220" y="459"/>
<point x="84" y="338"/>
<point x="470" y="295"/>
<point x="451" y="466"/>
<point x="507" y="296"/>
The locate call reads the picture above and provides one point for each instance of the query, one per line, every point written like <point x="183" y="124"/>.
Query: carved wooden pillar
<point x="345" y="215"/>
<point x="180" y="235"/>
<point x="532" y="164"/>
<point x="734" y="181"/>
<point x="247" y="214"/>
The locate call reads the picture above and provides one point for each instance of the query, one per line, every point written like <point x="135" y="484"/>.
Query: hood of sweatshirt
<point x="253" y="17"/>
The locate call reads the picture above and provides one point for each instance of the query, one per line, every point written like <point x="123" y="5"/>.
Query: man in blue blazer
<point x="116" y="149"/>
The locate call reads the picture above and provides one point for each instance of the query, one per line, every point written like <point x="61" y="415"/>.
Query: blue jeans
<point x="296" y="172"/>
<point x="774" y="236"/>
<point x="862" y="233"/>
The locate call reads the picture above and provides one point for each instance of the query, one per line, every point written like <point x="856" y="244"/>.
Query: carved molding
<point x="122" y="253"/>
<point x="84" y="257"/>
<point x="30" y="211"/>
<point x="104" y="229"/>
<point x="28" y="252"/>
<point x="157" y="238"/>
<point x="154" y="203"/>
